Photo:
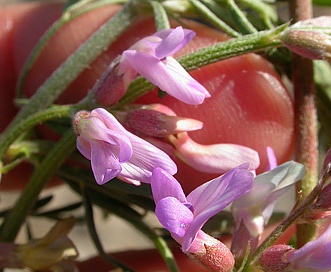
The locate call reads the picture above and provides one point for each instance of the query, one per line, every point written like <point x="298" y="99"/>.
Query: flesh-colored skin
<point x="248" y="106"/>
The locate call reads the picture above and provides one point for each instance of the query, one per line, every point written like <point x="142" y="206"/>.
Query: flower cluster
<point x="151" y="153"/>
<point x="138" y="144"/>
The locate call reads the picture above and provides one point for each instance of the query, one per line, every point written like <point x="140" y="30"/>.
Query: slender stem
<point x="75" y="64"/>
<point x="93" y="231"/>
<point x="30" y="122"/>
<point x="102" y="198"/>
<point x="239" y="17"/>
<point x="306" y="148"/>
<point x="68" y="15"/>
<point x="160" y="16"/>
<point x="40" y="177"/>
<point x="213" y="18"/>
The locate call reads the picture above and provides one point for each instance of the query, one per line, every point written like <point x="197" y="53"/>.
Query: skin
<point x="249" y="104"/>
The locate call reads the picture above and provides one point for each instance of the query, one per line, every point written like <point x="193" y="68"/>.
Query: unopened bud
<point x="109" y="89"/>
<point x="212" y="253"/>
<point x="157" y="124"/>
<point x="272" y="259"/>
<point x="78" y="117"/>
<point x="308" y="43"/>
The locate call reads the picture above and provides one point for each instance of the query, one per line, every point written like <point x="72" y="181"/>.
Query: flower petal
<point x="173" y="40"/>
<point x="314" y="255"/>
<point x="103" y="126"/>
<point x="84" y="147"/>
<point x="108" y="119"/>
<point x="165" y="185"/>
<point x="213" y="196"/>
<point x="215" y="158"/>
<point x="174" y="216"/>
<point x="104" y="164"/>
<point x="281" y="177"/>
<point x="145" y="159"/>
<point x="268" y="187"/>
<point x="272" y="160"/>
<point x="169" y="76"/>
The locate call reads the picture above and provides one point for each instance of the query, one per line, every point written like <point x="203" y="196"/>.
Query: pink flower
<point x="114" y="151"/>
<point x="151" y="57"/>
<point x="215" y="158"/>
<point x="253" y="210"/>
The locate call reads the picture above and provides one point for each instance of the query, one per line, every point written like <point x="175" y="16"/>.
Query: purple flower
<point x="152" y="58"/>
<point x="313" y="256"/>
<point x="255" y="208"/>
<point x="114" y="151"/>
<point x="184" y="216"/>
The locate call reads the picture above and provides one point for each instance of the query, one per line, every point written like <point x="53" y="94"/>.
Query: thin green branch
<point x="69" y="14"/>
<point x="31" y="121"/>
<point x="306" y="132"/>
<point x="75" y="64"/>
<point x="93" y="232"/>
<point x="215" y="20"/>
<point x="40" y="177"/>
<point x="160" y="16"/>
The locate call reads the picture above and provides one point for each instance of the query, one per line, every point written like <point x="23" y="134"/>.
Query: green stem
<point x="102" y="197"/>
<point x="241" y="20"/>
<point x="75" y="64"/>
<point x="30" y="122"/>
<point x="40" y="177"/>
<point x="238" y="46"/>
<point x="213" y="18"/>
<point x="306" y="133"/>
<point x="93" y="231"/>
<point x="158" y="241"/>
<point x="68" y="15"/>
<point x="160" y="16"/>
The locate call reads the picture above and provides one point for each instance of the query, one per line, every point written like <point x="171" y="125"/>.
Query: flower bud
<point x="109" y="89"/>
<point x="309" y="44"/>
<point x="272" y="259"/>
<point x="212" y="253"/>
<point x="157" y="124"/>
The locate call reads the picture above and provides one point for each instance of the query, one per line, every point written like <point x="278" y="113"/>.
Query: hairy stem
<point x="306" y="151"/>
